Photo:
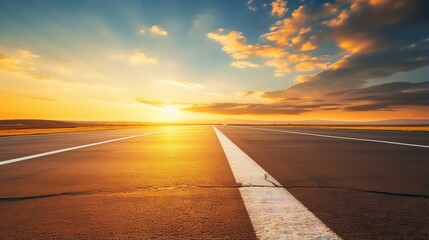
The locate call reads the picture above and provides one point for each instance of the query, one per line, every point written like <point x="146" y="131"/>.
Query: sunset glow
<point x="199" y="61"/>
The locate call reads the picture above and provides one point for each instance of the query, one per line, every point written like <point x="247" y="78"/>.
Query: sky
<point x="189" y="60"/>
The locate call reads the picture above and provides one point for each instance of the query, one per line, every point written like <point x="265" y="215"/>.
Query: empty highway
<point x="220" y="182"/>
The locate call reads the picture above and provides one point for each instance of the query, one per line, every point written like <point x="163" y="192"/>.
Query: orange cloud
<point x="281" y="65"/>
<point x="338" y="20"/>
<point x="309" y="66"/>
<point x="234" y="43"/>
<point x="278" y="8"/>
<point x="299" y="57"/>
<point x="283" y="31"/>
<point x="308" y="46"/>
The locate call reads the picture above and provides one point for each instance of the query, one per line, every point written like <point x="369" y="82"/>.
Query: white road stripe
<point x="274" y="212"/>
<point x="338" y="137"/>
<point x="14" y="160"/>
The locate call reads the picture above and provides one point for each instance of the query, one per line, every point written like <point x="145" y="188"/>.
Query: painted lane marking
<point x="338" y="137"/>
<point x="14" y="160"/>
<point x="273" y="211"/>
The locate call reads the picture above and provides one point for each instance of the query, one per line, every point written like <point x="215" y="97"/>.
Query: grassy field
<point x="13" y="132"/>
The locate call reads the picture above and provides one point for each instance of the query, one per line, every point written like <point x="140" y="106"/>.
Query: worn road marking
<point x="274" y="212"/>
<point x="14" y="160"/>
<point x="338" y="137"/>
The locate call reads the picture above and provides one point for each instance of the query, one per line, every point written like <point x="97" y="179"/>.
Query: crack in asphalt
<point x="178" y="187"/>
<point x="13" y="199"/>
<point x="360" y="190"/>
<point x="268" y="180"/>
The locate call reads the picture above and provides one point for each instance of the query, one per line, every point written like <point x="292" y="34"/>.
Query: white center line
<point x="338" y="137"/>
<point x="14" y="160"/>
<point x="273" y="211"/>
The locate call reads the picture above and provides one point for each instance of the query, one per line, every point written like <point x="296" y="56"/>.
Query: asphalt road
<point x="361" y="190"/>
<point x="177" y="183"/>
<point x="174" y="184"/>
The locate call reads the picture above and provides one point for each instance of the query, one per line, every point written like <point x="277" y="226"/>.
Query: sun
<point x="170" y="110"/>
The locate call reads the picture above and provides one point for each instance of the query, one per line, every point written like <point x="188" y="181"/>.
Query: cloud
<point x="281" y="65"/>
<point x="258" y="109"/>
<point x="138" y="57"/>
<point x="375" y="39"/>
<point x="278" y="8"/>
<point x="22" y="65"/>
<point x="12" y="65"/>
<point x="151" y="103"/>
<point x="309" y="66"/>
<point x="157" y="30"/>
<point x="235" y="44"/>
<point x="248" y="93"/>
<point x="154" y="30"/>
<point x="363" y="41"/>
<point x="250" y="6"/>
<point x="284" y="31"/>
<point x="30" y="65"/>
<point x="383" y="97"/>
<point x="356" y="69"/>
<point x="288" y="37"/>
<point x="27" y="54"/>
<point x="244" y="64"/>
<point x="187" y="85"/>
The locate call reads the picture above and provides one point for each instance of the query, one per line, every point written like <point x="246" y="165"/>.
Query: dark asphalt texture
<point x="361" y="190"/>
<point x="177" y="184"/>
<point x="172" y="185"/>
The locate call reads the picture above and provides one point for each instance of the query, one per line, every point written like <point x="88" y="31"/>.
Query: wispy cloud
<point x="151" y="103"/>
<point x="12" y="65"/>
<point x="244" y="64"/>
<point x="185" y="84"/>
<point x="22" y="65"/>
<point x="27" y="54"/>
<point x="251" y="6"/>
<point x="138" y="57"/>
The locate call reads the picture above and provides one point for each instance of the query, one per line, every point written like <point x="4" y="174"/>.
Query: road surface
<point x="181" y="182"/>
